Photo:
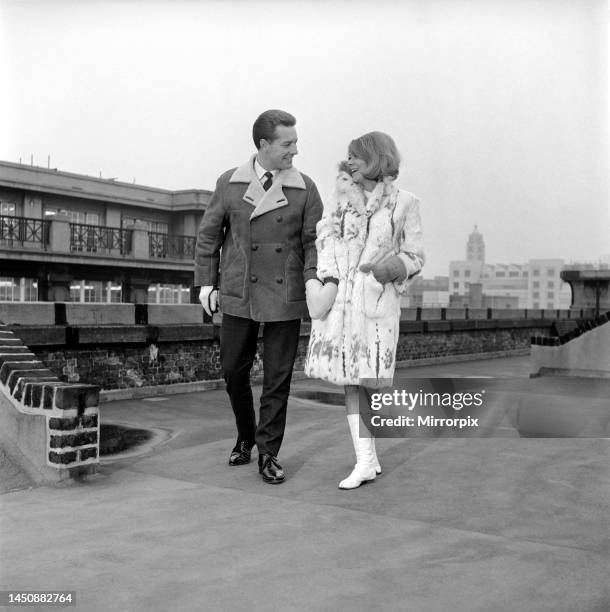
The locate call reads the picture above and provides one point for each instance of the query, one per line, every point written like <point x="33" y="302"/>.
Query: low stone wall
<point x="134" y="356"/>
<point x="47" y="426"/>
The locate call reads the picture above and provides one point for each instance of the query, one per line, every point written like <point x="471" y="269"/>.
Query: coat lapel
<point x="265" y="201"/>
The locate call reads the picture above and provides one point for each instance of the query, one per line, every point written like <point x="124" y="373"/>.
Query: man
<point x="259" y="231"/>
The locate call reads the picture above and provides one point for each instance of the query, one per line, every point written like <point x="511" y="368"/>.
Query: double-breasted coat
<point x="356" y="342"/>
<point x="258" y="246"/>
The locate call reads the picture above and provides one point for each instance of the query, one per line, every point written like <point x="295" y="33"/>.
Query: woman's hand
<point x="391" y="270"/>
<point x="320" y="297"/>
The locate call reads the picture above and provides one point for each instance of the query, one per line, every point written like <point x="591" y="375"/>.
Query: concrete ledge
<point x="508" y="313"/>
<point x="177" y="333"/>
<point x="113" y="395"/>
<point x="408" y="314"/>
<point x="437" y="326"/>
<point x="411" y="327"/>
<point x="99" y="314"/>
<point x="455" y="313"/>
<point x="410" y="363"/>
<point x="570" y="372"/>
<point x="41" y="335"/>
<point x="107" y="334"/>
<point x="160" y="314"/>
<point x="27" y="313"/>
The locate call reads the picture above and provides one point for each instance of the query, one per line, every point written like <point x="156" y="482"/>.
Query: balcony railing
<point x="99" y="239"/>
<point x="24" y="231"/>
<point x="172" y="247"/>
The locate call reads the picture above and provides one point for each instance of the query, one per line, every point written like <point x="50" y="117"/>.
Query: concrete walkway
<point x="452" y="524"/>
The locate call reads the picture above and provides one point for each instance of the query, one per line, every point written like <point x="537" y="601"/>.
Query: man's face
<point x="278" y="153"/>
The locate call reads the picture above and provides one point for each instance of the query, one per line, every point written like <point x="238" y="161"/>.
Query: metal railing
<point x="99" y="239"/>
<point x="171" y="247"/>
<point x="24" y="231"/>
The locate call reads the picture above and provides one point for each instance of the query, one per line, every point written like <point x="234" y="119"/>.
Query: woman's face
<point x="357" y="166"/>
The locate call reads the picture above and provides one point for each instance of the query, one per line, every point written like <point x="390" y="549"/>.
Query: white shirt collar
<point x="260" y="171"/>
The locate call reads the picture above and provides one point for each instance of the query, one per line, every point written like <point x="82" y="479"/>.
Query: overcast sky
<point x="499" y="107"/>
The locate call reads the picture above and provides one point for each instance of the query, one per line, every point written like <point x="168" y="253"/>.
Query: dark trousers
<point x="238" y="341"/>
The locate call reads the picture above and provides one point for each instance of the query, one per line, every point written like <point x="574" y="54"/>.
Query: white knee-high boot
<point x="353" y="428"/>
<point x="365" y="468"/>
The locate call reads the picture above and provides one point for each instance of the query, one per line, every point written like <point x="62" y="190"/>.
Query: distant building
<point x="535" y="284"/>
<point x="69" y="237"/>
<point x="427" y="292"/>
<point x="475" y="247"/>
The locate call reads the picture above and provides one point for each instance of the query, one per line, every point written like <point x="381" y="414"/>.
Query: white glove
<point x="320" y="297"/>
<point x="208" y="296"/>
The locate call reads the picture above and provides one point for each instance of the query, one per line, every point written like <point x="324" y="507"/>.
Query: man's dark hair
<point x="264" y="126"/>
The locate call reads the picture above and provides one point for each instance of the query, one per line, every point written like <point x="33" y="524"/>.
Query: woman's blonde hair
<point x="378" y="150"/>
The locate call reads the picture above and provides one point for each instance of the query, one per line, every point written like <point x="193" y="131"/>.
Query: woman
<point x="369" y="246"/>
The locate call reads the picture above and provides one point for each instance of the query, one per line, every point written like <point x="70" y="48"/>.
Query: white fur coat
<point x="358" y="338"/>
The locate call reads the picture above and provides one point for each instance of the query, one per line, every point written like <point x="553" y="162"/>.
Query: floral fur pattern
<point x="357" y="339"/>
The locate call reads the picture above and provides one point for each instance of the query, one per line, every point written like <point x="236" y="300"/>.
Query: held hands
<point x="320" y="297"/>
<point x="390" y="270"/>
<point x="208" y="296"/>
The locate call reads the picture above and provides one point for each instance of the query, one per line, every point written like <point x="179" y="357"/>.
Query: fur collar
<point x="266" y="201"/>
<point x="287" y="178"/>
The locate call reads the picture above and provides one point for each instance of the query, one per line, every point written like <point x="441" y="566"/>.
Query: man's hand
<point x="208" y="296"/>
<point x="392" y="269"/>
<point x="320" y="297"/>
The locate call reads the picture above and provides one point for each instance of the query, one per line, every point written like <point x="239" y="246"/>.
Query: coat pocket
<point x="233" y="275"/>
<point x="379" y="300"/>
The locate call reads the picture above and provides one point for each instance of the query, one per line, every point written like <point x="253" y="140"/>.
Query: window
<point x="500" y="274"/>
<point x="18" y="289"/>
<point x="7" y="209"/>
<point x="151" y="226"/>
<point x="535" y="305"/>
<point x="536" y="284"/>
<point x="551" y="284"/>
<point x="169" y="294"/>
<point x="550" y="305"/>
<point x="467" y="273"/>
<point x="550" y="295"/>
<point x="456" y="285"/>
<point x="95" y="291"/>
<point x="513" y="274"/>
<point x="75" y="216"/>
<point x="536" y="272"/>
<point x="536" y="295"/>
<point x="550" y="272"/>
<point x="456" y="273"/>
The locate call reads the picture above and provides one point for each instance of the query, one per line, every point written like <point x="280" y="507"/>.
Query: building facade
<point x="535" y="284"/>
<point x="70" y="237"/>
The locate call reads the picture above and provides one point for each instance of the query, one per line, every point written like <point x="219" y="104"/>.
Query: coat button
<point x="278" y="249"/>
<point x="254" y="247"/>
<point x="279" y="281"/>
<point x="253" y="279"/>
<point x="279" y="219"/>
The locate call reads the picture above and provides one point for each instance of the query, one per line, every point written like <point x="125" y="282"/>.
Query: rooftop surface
<point x="494" y="524"/>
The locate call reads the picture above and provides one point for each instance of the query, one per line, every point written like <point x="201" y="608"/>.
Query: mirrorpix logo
<point x="424" y="407"/>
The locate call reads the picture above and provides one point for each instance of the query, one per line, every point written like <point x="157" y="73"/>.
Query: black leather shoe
<point x="240" y="455"/>
<point x="270" y="469"/>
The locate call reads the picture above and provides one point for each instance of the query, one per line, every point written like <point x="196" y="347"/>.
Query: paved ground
<point x="452" y="524"/>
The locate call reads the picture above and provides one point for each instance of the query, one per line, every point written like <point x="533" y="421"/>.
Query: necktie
<point x="268" y="180"/>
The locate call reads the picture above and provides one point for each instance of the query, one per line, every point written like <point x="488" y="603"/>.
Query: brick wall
<point x="121" y="367"/>
<point x="46" y="422"/>
<point x="140" y="356"/>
